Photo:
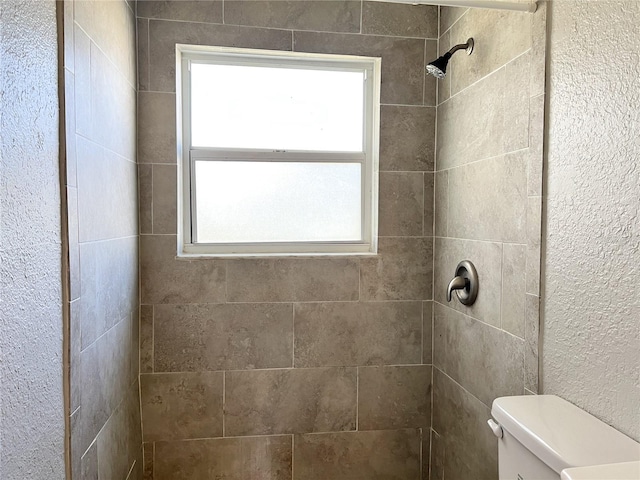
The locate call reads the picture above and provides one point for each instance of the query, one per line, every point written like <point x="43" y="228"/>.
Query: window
<point x="279" y="152"/>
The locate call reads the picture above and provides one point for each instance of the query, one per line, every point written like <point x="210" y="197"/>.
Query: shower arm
<point x="462" y="46"/>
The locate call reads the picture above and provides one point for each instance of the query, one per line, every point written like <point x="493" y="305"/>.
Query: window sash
<point x="367" y="158"/>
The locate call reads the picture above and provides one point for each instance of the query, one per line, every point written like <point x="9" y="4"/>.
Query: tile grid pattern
<point x="102" y="236"/>
<point x="488" y="184"/>
<point x="293" y="367"/>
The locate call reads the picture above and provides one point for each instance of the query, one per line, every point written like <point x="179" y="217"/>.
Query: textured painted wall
<point x="591" y="338"/>
<point x="31" y="391"/>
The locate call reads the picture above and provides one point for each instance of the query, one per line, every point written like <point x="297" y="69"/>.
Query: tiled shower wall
<point x="488" y="186"/>
<point x="102" y="238"/>
<point x="305" y="368"/>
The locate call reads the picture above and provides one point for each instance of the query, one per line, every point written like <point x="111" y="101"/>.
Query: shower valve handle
<point x="465" y="283"/>
<point x="458" y="283"/>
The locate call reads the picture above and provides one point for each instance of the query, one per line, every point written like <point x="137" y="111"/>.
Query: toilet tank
<point x="544" y="434"/>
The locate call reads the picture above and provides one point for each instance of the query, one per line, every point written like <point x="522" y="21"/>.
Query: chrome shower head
<point x="438" y="68"/>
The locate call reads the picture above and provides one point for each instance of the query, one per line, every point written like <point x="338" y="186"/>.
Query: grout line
<point x="293" y="453"/>
<point x="282" y="29"/>
<point x="464" y="389"/>
<point x="357" y="398"/>
<point x="293" y="335"/>
<point x="224" y="402"/>
<point x="482" y="322"/>
<point x="113" y="64"/>
<point x="422" y="336"/>
<point x="153" y="338"/>
<point x="361" y="14"/>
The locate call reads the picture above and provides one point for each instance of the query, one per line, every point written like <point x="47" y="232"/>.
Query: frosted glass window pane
<point x="244" y="202"/>
<point x="234" y="106"/>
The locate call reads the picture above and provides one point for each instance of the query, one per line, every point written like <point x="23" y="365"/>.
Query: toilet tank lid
<point x="561" y="434"/>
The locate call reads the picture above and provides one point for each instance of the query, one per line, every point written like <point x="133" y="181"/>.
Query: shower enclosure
<point x="308" y="367"/>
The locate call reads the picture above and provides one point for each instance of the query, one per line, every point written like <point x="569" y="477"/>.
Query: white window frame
<point x="187" y="155"/>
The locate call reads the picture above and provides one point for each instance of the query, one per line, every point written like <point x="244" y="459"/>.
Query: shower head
<point x="438" y="68"/>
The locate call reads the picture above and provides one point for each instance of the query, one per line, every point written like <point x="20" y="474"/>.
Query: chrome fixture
<point x="438" y="68"/>
<point x="465" y="283"/>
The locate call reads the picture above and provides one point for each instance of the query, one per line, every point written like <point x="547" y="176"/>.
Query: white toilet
<point x="541" y="435"/>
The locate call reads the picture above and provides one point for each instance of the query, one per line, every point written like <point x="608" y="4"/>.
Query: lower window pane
<point x="246" y="202"/>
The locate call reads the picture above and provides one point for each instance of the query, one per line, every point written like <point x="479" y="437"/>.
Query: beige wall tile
<point x="209" y="11"/>
<point x="349" y="334"/>
<point x="436" y="469"/>
<point x="538" y="50"/>
<point x="105" y="302"/>
<point x="82" y="78"/>
<point x="391" y="454"/>
<point x="228" y="458"/>
<point x="402" y="60"/>
<point x="67" y="40"/>
<point x="444" y="84"/>
<point x="70" y="127"/>
<point x="516" y="103"/>
<point x="157" y="127"/>
<point x="111" y="26"/>
<point x="487" y="258"/>
<point x="426" y="451"/>
<point x="488" y="199"/>
<point x="514" y="262"/>
<point x="181" y="405"/>
<point x="402" y="270"/>
<point x="75" y="347"/>
<point x="470" y="448"/>
<point x="107" y="194"/>
<point x="441" y="203"/>
<point x="145" y="198"/>
<point x="532" y="334"/>
<point x="429" y="204"/>
<point x="323" y="15"/>
<point x="113" y="105"/>
<point x="401" y="204"/>
<point x="430" y="82"/>
<point x="73" y="243"/>
<point x="120" y="440"/>
<point x="536" y="146"/>
<point x="134" y="351"/>
<point x="286" y="280"/>
<point x="407" y="138"/>
<point x="427" y="332"/>
<point x="166" y="279"/>
<point x="146" y="338"/>
<point x="142" y="34"/>
<point x="165" y="199"/>
<point x="163" y="36"/>
<point x="534" y="227"/>
<point x="486" y="361"/>
<point x="147" y="454"/>
<point x="89" y="463"/>
<point x="499" y="36"/>
<point x="394" y="397"/>
<point x="461" y="138"/>
<point x="221" y="337"/>
<point x="449" y="15"/>
<point x="264" y="402"/>
<point x="104" y="375"/>
<point x="383" y="18"/>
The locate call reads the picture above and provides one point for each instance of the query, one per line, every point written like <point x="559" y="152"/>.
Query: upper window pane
<point x="277" y="108"/>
